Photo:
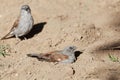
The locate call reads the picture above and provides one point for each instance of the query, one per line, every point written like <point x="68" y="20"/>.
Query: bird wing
<point x="54" y="56"/>
<point x="14" y="26"/>
<point x="49" y="57"/>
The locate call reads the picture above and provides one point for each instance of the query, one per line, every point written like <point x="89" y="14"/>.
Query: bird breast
<point x="25" y="24"/>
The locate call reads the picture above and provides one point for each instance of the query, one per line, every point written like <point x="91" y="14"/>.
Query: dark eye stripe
<point x="71" y="47"/>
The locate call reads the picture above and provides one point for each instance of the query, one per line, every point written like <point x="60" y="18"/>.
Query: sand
<point x="93" y="26"/>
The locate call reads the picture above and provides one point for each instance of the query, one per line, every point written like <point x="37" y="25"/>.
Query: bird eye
<point x="26" y="9"/>
<point x="71" y="48"/>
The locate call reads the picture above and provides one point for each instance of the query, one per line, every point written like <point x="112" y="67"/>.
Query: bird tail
<point x="34" y="55"/>
<point x="5" y="37"/>
<point x="40" y="57"/>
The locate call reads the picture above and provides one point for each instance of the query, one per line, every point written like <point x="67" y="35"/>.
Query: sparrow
<point x="22" y="25"/>
<point x="66" y="55"/>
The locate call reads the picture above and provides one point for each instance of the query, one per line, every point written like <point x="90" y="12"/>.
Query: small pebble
<point x="16" y="74"/>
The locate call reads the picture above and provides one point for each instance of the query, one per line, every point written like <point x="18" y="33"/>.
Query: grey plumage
<point x="23" y="24"/>
<point x="66" y="55"/>
<point x="69" y="51"/>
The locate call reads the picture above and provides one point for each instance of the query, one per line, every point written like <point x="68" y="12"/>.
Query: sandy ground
<point x="91" y="25"/>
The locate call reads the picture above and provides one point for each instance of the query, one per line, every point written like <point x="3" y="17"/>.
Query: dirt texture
<point x="93" y="26"/>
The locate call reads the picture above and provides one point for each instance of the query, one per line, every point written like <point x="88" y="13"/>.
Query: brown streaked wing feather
<point x="58" y="57"/>
<point x="54" y="57"/>
<point x="49" y="56"/>
<point x="14" y="25"/>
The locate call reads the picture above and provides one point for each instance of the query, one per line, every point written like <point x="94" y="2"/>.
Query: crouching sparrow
<point x="62" y="56"/>
<point x="22" y="25"/>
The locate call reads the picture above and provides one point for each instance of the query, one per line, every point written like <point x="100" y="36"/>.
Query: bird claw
<point x="18" y="41"/>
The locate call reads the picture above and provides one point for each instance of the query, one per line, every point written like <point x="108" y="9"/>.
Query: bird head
<point x="69" y="49"/>
<point x="26" y="8"/>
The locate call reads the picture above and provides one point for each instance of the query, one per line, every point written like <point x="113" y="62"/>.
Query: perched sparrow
<point x="23" y="24"/>
<point x="63" y="56"/>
